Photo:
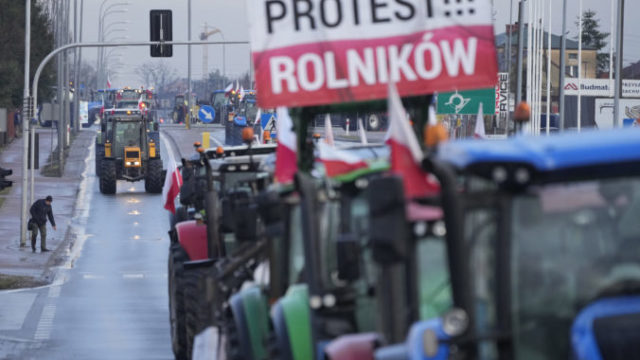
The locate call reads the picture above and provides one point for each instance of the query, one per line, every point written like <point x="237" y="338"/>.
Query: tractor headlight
<point x="455" y="322"/>
<point x="129" y="163"/>
<point x="136" y="163"/>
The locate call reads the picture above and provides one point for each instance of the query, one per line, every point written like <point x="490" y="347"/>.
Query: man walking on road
<point x="40" y="210"/>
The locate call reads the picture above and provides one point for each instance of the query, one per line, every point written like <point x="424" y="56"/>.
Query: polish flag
<point x="228" y="89"/>
<point x="286" y="157"/>
<point x="108" y="82"/>
<point x="328" y="130"/>
<point x="479" y="130"/>
<point x="241" y="93"/>
<point x="406" y="154"/>
<point x="338" y="162"/>
<point x="172" y="184"/>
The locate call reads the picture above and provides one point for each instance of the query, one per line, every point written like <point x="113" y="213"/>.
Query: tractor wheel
<point x="99" y="157"/>
<point x="177" y="317"/>
<point x="153" y="180"/>
<point x="198" y="308"/>
<point x="107" y="177"/>
<point x="374" y="123"/>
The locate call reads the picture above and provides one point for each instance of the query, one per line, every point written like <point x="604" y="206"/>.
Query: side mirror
<point x="388" y="221"/>
<point x="348" y="257"/>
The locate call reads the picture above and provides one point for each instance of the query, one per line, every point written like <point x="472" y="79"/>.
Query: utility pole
<point x="563" y="63"/>
<point x="520" y="64"/>
<point x="76" y="66"/>
<point x="618" y="90"/>
<point x="26" y="119"/>
<point x="188" y="117"/>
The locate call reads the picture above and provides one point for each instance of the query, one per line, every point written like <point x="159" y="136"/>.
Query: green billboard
<point x="467" y="102"/>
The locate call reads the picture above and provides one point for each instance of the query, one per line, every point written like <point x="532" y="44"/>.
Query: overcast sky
<point x="230" y="17"/>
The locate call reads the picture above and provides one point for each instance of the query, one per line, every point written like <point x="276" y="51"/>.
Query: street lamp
<point x="115" y="30"/>
<point x="101" y="18"/>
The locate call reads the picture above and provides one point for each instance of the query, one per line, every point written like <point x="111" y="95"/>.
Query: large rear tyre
<point x="177" y="317"/>
<point x="99" y="157"/>
<point x="153" y="180"/>
<point x="197" y="307"/>
<point x="107" y="177"/>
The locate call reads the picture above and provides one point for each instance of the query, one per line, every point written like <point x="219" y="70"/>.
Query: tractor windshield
<point x="127" y="134"/>
<point x="572" y="243"/>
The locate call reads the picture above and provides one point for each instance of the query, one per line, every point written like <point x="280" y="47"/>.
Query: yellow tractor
<point x="128" y="148"/>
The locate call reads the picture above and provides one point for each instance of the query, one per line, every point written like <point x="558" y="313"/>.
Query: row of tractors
<point x="128" y="143"/>
<point x="356" y="266"/>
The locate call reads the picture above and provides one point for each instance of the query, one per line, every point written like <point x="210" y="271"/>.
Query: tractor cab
<point x="544" y="257"/>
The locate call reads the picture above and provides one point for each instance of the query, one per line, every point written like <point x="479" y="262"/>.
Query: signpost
<point x="322" y="52"/>
<point x="468" y="102"/>
<point x="206" y="114"/>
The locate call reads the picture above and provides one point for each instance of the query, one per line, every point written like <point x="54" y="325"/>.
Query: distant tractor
<point x="128" y="148"/>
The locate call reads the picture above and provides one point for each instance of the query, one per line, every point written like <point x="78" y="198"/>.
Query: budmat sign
<point x="312" y="52"/>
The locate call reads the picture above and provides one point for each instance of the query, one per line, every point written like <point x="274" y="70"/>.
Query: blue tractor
<point x="543" y="250"/>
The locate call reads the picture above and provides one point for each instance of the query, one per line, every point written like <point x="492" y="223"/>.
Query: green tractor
<point x="128" y="148"/>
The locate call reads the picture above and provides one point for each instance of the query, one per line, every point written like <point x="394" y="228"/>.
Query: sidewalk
<point x="22" y="262"/>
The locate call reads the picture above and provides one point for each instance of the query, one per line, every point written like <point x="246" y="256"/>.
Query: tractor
<point x="214" y="226"/>
<point x="128" y="148"/>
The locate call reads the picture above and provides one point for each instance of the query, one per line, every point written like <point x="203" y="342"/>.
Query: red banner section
<point x="450" y="58"/>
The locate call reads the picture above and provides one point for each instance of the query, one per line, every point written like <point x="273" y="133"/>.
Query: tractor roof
<point x="242" y="163"/>
<point x="242" y="150"/>
<point x="548" y="154"/>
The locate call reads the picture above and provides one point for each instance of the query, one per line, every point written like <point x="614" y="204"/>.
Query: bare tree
<point x="156" y="74"/>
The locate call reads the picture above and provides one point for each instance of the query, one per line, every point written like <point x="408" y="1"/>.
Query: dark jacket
<point x="40" y="211"/>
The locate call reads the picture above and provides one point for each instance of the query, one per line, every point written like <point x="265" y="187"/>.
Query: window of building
<point x="573" y="56"/>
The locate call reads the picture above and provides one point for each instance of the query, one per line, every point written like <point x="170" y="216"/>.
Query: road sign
<point x="467" y="102"/>
<point x="206" y="114"/>
<point x="629" y="112"/>
<point x="337" y="51"/>
<point x="160" y="22"/>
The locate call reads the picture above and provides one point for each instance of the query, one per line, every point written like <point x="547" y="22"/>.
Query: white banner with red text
<point x="313" y="52"/>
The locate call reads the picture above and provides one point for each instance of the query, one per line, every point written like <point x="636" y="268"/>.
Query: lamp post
<point x="102" y="15"/>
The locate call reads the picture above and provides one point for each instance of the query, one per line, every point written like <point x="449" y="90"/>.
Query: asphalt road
<point x="109" y="296"/>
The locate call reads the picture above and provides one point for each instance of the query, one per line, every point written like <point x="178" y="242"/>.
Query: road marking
<point x="43" y="331"/>
<point x="92" y="277"/>
<point x="218" y="142"/>
<point x="133" y="276"/>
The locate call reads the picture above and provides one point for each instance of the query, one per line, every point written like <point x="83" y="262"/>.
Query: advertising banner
<point x="629" y="113"/>
<point x="601" y="87"/>
<point x="313" y="52"/>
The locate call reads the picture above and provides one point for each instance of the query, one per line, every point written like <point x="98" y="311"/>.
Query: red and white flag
<point x="286" y="151"/>
<point x="108" y="82"/>
<point x="338" y="162"/>
<point x="479" y="130"/>
<point x="172" y="184"/>
<point x="228" y="89"/>
<point x="328" y="130"/>
<point x="406" y="154"/>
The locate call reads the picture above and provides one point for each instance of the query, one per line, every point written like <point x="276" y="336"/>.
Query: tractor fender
<point x="354" y="346"/>
<point x="291" y="319"/>
<point x="251" y="317"/>
<point x="193" y="239"/>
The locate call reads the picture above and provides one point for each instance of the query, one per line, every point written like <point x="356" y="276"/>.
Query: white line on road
<point x="218" y="142"/>
<point x="133" y="276"/>
<point x="54" y="291"/>
<point x="43" y="331"/>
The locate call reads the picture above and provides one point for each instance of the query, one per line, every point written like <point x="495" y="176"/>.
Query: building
<point x="589" y="58"/>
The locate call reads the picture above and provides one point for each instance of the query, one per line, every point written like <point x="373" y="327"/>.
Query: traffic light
<point x="160" y="22"/>
<point x="5" y="183"/>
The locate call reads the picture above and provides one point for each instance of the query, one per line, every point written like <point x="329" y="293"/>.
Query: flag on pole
<point x="361" y="132"/>
<point x="228" y="89"/>
<point x="286" y="157"/>
<point x="172" y="184"/>
<point x="108" y="81"/>
<point x="328" y="130"/>
<point x="479" y="133"/>
<point x="406" y="154"/>
<point x="338" y="162"/>
<point x="241" y="93"/>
